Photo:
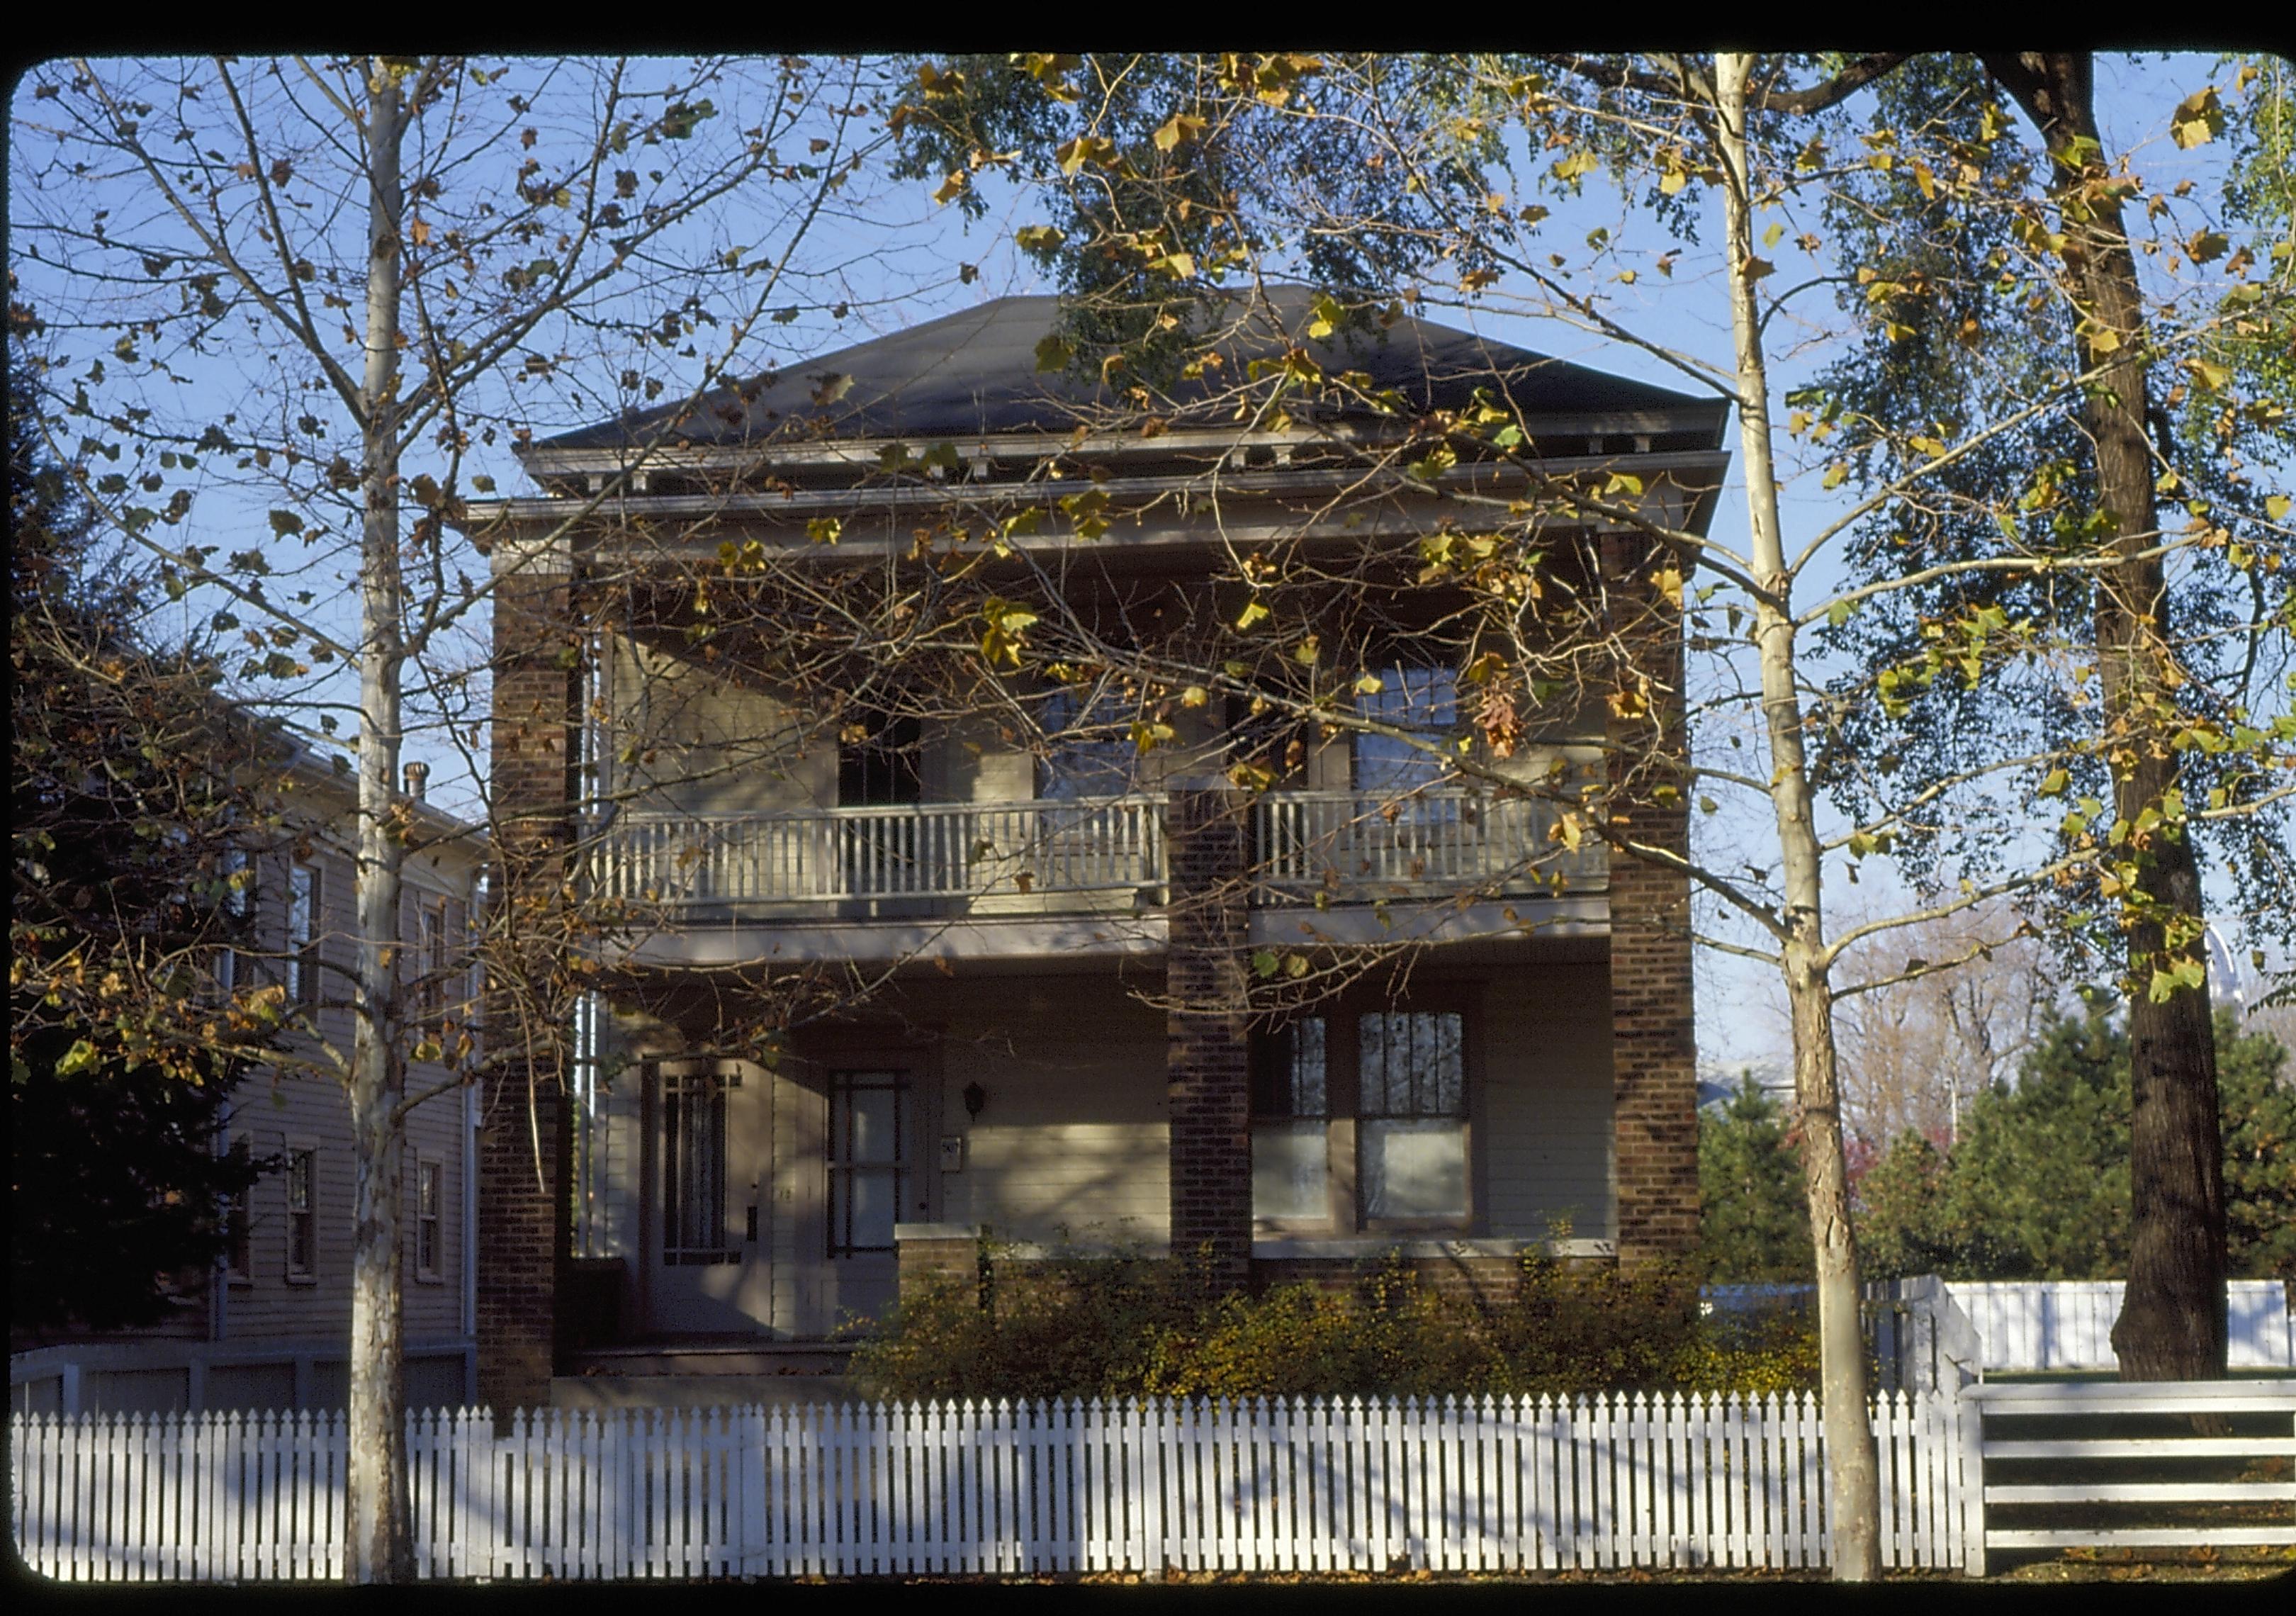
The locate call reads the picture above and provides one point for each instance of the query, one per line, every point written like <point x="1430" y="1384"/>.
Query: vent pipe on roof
<point x="416" y="774"/>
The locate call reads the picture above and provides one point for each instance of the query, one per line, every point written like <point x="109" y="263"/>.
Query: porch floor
<point x="704" y="1372"/>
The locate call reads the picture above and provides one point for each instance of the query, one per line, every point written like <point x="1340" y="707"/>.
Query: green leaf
<point x="1265" y="962"/>
<point x="79" y="1058"/>
<point x="1052" y="354"/>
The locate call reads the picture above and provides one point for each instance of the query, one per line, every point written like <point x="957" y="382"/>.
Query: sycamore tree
<point x="1170" y="181"/>
<point x="298" y="311"/>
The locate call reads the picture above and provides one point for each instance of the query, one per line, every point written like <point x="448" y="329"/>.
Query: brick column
<point x="1206" y="1030"/>
<point x="523" y="1136"/>
<point x="1653" y="1033"/>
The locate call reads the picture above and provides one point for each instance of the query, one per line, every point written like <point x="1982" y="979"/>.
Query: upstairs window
<point x="1421" y="702"/>
<point x="1089" y="748"/>
<point x="305" y="895"/>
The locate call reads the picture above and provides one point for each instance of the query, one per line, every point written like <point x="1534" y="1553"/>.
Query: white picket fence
<point x="859" y="1489"/>
<point x="2034" y="1324"/>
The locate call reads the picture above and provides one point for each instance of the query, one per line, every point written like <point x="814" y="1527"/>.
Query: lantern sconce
<point x="976" y="1099"/>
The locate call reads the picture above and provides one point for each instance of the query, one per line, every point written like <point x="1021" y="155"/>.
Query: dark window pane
<point x="1288" y="1073"/>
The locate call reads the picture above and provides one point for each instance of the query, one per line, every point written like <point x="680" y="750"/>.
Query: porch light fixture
<point x="976" y="1099"/>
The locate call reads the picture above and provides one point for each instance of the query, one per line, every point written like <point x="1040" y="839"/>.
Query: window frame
<point x="430" y="1221"/>
<point x="305" y="900"/>
<point x="302" y="1229"/>
<point x="239" y="1222"/>
<point x="1075" y="768"/>
<point x="1463" y="1114"/>
<point x="1398" y="703"/>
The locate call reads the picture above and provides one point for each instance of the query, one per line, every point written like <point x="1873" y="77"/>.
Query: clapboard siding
<point x="1545" y="1061"/>
<point x="1073" y="1141"/>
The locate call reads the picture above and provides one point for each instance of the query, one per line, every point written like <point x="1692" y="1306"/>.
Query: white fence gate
<point x="1328" y="1484"/>
<point x="2079" y="1441"/>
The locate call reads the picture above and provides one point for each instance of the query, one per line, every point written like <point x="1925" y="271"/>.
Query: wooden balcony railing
<point x="1359" y="844"/>
<point x="959" y="850"/>
<point x="1351" y="846"/>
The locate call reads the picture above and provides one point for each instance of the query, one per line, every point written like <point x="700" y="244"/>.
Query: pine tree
<point x="1753" y="1227"/>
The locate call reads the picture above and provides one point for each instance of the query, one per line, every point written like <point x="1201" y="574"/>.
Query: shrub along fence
<point x="1492" y="1484"/>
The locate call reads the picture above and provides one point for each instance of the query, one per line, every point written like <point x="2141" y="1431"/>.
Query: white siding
<point x="1547" y="1102"/>
<point x="1073" y="1142"/>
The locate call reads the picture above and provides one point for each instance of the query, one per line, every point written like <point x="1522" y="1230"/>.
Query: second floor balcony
<point x="1082" y="856"/>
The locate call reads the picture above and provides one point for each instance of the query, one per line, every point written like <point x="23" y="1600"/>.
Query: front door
<point x="711" y="1140"/>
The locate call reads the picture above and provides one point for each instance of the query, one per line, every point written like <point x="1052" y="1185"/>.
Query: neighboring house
<point x="1059" y="932"/>
<point x="271" y="1329"/>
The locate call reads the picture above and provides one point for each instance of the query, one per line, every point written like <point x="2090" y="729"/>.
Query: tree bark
<point x="1852" y="1474"/>
<point x="2172" y="1320"/>
<point x="379" y="1546"/>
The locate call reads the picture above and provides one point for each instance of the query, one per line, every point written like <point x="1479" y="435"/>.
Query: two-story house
<point x="270" y="1327"/>
<point x="958" y="860"/>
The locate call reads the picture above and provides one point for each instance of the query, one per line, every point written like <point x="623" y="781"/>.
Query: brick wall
<point x="523" y="1140"/>
<point x="1206" y="1033"/>
<point x="946" y="1257"/>
<point x="1655" y="1049"/>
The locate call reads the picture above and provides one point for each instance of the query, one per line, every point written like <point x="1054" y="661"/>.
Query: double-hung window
<point x="238" y="906"/>
<point x="302" y="1212"/>
<point x="305" y="896"/>
<point x="430" y="1192"/>
<point x="1412" y="1106"/>
<point x="1290" y="1125"/>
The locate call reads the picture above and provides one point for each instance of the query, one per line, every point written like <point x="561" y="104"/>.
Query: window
<point x="694" y="1166"/>
<point x="437" y="997"/>
<point x="239" y="1228"/>
<point x="880" y="762"/>
<point x="868" y="1167"/>
<point x="1413" y="1152"/>
<point x="430" y="1184"/>
<point x="1387" y="1105"/>
<point x="1290" y="1110"/>
<point x="303" y="909"/>
<point x="1089" y="748"/>
<point x="237" y="907"/>
<point x="302" y="1212"/>
<point x="1421" y="702"/>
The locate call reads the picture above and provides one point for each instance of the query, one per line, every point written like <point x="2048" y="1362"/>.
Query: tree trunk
<point x="1853" y="1480"/>
<point x="2172" y="1320"/>
<point x="379" y="1547"/>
